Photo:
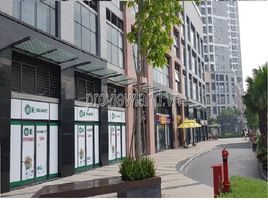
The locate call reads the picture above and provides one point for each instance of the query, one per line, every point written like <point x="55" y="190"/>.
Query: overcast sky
<point x="253" y="18"/>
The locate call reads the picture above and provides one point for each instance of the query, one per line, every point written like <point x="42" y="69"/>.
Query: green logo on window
<point x="27" y="109"/>
<point x="27" y="131"/>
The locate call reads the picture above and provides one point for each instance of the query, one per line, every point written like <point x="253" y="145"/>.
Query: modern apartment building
<point x="53" y="54"/>
<point x="194" y="73"/>
<point x="222" y="55"/>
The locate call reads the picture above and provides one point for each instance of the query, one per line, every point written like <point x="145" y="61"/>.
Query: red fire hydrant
<point x="217" y="179"/>
<point x="226" y="182"/>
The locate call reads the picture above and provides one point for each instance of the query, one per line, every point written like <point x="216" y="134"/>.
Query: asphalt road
<point x="242" y="162"/>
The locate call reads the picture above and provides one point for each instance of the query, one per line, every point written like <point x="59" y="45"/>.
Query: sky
<point x="253" y="19"/>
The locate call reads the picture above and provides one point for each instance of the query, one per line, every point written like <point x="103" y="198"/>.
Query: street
<point x="242" y="162"/>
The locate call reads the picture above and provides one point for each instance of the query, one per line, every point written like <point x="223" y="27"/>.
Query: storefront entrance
<point x="86" y="138"/>
<point x="117" y="135"/>
<point x="33" y="142"/>
<point x="162" y="132"/>
<point x="87" y="146"/>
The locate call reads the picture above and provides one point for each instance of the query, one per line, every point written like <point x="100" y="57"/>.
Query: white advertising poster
<point x="96" y="138"/>
<point x="81" y="146"/>
<point x="53" y="111"/>
<point x="118" y="142"/>
<point x="75" y="146"/>
<point x="41" y="150"/>
<point x="15" y="152"/>
<point x="53" y="149"/>
<point x="89" y="131"/>
<point x="27" y="152"/>
<point x="87" y="114"/>
<point x="124" y="142"/>
<point x="112" y="147"/>
<point x="15" y="109"/>
<point x="34" y="110"/>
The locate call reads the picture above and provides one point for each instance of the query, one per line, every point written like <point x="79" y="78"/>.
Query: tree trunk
<point x="138" y="144"/>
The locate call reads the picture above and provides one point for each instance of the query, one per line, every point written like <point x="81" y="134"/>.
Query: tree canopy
<point x="255" y="98"/>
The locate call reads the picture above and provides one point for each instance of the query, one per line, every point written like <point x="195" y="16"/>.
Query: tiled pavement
<point x="174" y="183"/>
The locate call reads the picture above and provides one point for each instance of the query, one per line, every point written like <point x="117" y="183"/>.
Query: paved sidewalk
<point x="174" y="184"/>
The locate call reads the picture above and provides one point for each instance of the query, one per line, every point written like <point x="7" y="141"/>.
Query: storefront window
<point x="38" y="13"/>
<point x="85" y="31"/>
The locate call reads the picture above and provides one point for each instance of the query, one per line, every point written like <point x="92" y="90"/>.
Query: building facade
<point x="56" y="60"/>
<point x="222" y="54"/>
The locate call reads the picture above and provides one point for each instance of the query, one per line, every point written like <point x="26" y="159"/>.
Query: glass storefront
<point x="162" y="132"/>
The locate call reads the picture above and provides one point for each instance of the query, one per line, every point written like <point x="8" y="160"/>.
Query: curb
<point x="264" y="176"/>
<point x="191" y="158"/>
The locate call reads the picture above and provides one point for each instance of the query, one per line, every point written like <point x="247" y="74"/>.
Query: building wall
<point x="222" y="51"/>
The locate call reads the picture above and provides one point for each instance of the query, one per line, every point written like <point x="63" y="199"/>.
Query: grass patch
<point x="243" y="187"/>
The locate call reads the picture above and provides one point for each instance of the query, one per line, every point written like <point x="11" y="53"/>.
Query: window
<point x="189" y="59"/>
<point x="209" y="20"/>
<point x="195" y="91"/>
<point x="209" y="10"/>
<point x="176" y="43"/>
<point x="221" y="88"/>
<point x="85" y="84"/>
<point x="85" y="28"/>
<point x="35" y="77"/>
<point x="214" y="110"/>
<point x="207" y="87"/>
<point x="38" y="13"/>
<point x="210" y="38"/>
<point x="177" y="78"/>
<point x="208" y="99"/>
<point x="110" y="16"/>
<point x="115" y="46"/>
<point x="222" y="99"/>
<point x="161" y="75"/>
<point x="213" y="86"/>
<point x="210" y="29"/>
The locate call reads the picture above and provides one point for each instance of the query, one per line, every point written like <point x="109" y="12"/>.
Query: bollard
<point x="226" y="182"/>
<point x="217" y="179"/>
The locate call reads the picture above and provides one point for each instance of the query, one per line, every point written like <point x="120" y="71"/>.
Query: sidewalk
<point x="174" y="184"/>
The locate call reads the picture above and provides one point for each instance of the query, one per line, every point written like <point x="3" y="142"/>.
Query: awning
<point x="112" y="75"/>
<point x="42" y="49"/>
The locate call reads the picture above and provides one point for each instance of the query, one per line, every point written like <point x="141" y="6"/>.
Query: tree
<point x="151" y="33"/>
<point x="228" y="119"/>
<point x="252" y="119"/>
<point x="212" y="120"/>
<point x="255" y="98"/>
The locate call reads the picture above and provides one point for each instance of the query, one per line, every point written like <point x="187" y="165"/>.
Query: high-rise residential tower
<point x="222" y="55"/>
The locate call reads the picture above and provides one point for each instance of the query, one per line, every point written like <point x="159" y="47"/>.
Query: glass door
<point x="28" y="155"/>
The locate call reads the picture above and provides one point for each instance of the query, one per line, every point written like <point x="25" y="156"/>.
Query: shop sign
<point x="86" y="114"/>
<point x="35" y="110"/>
<point x="162" y="119"/>
<point x="116" y="116"/>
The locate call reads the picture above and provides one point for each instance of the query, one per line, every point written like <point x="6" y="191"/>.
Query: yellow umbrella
<point x="190" y="124"/>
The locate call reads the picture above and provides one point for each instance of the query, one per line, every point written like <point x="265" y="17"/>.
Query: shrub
<point x="243" y="187"/>
<point x="132" y="169"/>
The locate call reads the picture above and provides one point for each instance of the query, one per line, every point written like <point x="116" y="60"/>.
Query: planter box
<point x="149" y="188"/>
<point x="146" y="188"/>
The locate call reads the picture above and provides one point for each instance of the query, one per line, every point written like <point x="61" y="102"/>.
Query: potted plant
<point x="140" y="175"/>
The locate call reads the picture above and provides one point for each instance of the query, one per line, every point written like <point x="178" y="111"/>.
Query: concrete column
<point x="5" y="101"/>
<point x="103" y="131"/>
<point x="66" y="129"/>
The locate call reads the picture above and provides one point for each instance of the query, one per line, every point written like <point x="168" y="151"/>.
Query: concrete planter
<point x="146" y="188"/>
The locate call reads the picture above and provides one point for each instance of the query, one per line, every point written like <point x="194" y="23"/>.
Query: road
<point x="242" y="162"/>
